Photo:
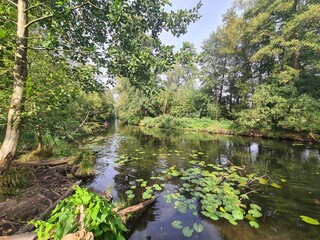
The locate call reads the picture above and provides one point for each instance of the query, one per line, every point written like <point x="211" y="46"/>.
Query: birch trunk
<point x="9" y="145"/>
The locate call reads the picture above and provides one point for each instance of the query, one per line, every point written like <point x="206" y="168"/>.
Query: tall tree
<point x="109" y="32"/>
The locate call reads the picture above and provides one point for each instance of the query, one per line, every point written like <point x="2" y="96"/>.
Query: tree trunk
<point x="40" y="139"/>
<point x="9" y="145"/>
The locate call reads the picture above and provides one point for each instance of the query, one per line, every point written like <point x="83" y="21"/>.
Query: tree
<point x="285" y="39"/>
<point x="111" y="33"/>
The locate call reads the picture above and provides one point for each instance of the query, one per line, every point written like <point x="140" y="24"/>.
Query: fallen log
<point x="30" y="227"/>
<point x="48" y="163"/>
<point x="135" y="208"/>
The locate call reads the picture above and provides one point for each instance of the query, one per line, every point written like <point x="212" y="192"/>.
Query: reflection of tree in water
<point x="162" y="149"/>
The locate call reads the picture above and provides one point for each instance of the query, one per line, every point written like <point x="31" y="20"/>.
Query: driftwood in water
<point x="43" y="215"/>
<point x="134" y="208"/>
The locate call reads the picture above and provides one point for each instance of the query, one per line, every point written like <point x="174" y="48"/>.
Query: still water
<point x="152" y="151"/>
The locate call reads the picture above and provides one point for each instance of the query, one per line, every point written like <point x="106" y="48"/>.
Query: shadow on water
<point x="151" y="151"/>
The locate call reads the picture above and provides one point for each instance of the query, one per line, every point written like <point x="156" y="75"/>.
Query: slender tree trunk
<point x="40" y="139"/>
<point x="9" y="145"/>
<point x="296" y="55"/>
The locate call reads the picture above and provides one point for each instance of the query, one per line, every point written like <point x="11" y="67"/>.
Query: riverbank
<point x="46" y="183"/>
<point x="224" y="127"/>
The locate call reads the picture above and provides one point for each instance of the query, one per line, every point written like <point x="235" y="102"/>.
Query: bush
<point x="99" y="218"/>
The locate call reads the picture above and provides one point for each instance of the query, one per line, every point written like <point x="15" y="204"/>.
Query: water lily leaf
<point x="198" y="227"/>
<point x="187" y="231"/>
<point x="177" y="224"/>
<point x="157" y="187"/>
<point x="255" y="206"/>
<point x="309" y="220"/>
<point x="275" y="185"/>
<point x="237" y="214"/>
<point x="255" y="213"/>
<point x="192" y="206"/>
<point x="130" y="196"/>
<point x="254" y="224"/>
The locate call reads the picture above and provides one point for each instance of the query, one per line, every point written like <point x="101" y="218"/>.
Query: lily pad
<point x="187" y="231"/>
<point x="177" y="224"/>
<point x="198" y="227"/>
<point x="254" y="224"/>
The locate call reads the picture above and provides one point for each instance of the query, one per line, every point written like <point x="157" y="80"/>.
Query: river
<point x="294" y="166"/>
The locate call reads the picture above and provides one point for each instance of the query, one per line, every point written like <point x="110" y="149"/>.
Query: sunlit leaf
<point x="275" y="185"/>
<point x="254" y="224"/>
<point x="309" y="220"/>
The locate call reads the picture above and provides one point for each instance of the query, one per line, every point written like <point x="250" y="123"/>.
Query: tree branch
<point x="51" y="15"/>
<point x="38" y="19"/>
<point x="38" y="5"/>
<point x="9" y="20"/>
<point x="12" y="2"/>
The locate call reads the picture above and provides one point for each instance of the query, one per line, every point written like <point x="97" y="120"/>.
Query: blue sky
<point x="211" y="11"/>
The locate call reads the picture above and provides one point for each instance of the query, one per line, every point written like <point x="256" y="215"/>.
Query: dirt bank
<point x="45" y="185"/>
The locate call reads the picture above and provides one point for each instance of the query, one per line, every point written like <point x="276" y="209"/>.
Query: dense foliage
<point x="97" y="217"/>
<point x="260" y="68"/>
<point x="54" y="53"/>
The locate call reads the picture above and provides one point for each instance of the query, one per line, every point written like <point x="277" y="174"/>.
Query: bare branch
<point x="9" y="20"/>
<point x="38" y="5"/>
<point x="51" y="15"/>
<point x="12" y="2"/>
<point x="38" y="19"/>
<point x="95" y="6"/>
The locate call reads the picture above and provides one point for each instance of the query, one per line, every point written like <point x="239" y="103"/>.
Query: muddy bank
<point x="45" y="185"/>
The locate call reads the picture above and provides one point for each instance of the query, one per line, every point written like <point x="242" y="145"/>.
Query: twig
<point x="38" y="5"/>
<point x="13" y="3"/>
<point x="51" y="15"/>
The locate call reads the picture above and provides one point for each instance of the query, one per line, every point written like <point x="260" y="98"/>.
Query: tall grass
<point x="197" y="124"/>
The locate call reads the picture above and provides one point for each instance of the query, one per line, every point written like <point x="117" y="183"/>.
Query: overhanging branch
<point x="38" y="5"/>
<point x="12" y="2"/>
<point x="51" y="15"/>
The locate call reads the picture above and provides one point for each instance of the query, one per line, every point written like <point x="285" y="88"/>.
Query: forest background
<point x="258" y="72"/>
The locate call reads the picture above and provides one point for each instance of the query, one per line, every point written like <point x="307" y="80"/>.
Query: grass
<point x="184" y="123"/>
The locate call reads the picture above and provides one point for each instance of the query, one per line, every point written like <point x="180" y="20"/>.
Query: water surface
<point x="152" y="151"/>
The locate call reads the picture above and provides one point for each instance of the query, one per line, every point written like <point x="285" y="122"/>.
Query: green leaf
<point x="177" y="224"/>
<point x="187" y="231"/>
<point x="254" y="224"/>
<point x="130" y="196"/>
<point x="198" y="227"/>
<point x="237" y="214"/>
<point x="157" y="187"/>
<point x="309" y="220"/>
<point x="255" y="206"/>
<point x="129" y="192"/>
<point x="255" y="213"/>
<point x="275" y="185"/>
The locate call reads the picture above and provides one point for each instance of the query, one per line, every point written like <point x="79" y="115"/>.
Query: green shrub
<point x="13" y="181"/>
<point x="86" y="161"/>
<point x="99" y="218"/>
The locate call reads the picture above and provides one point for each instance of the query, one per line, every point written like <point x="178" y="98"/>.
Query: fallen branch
<point x="134" y="208"/>
<point x="30" y="227"/>
<point x="49" y="163"/>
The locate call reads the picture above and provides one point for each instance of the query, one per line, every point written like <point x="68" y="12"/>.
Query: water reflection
<point x="152" y="151"/>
